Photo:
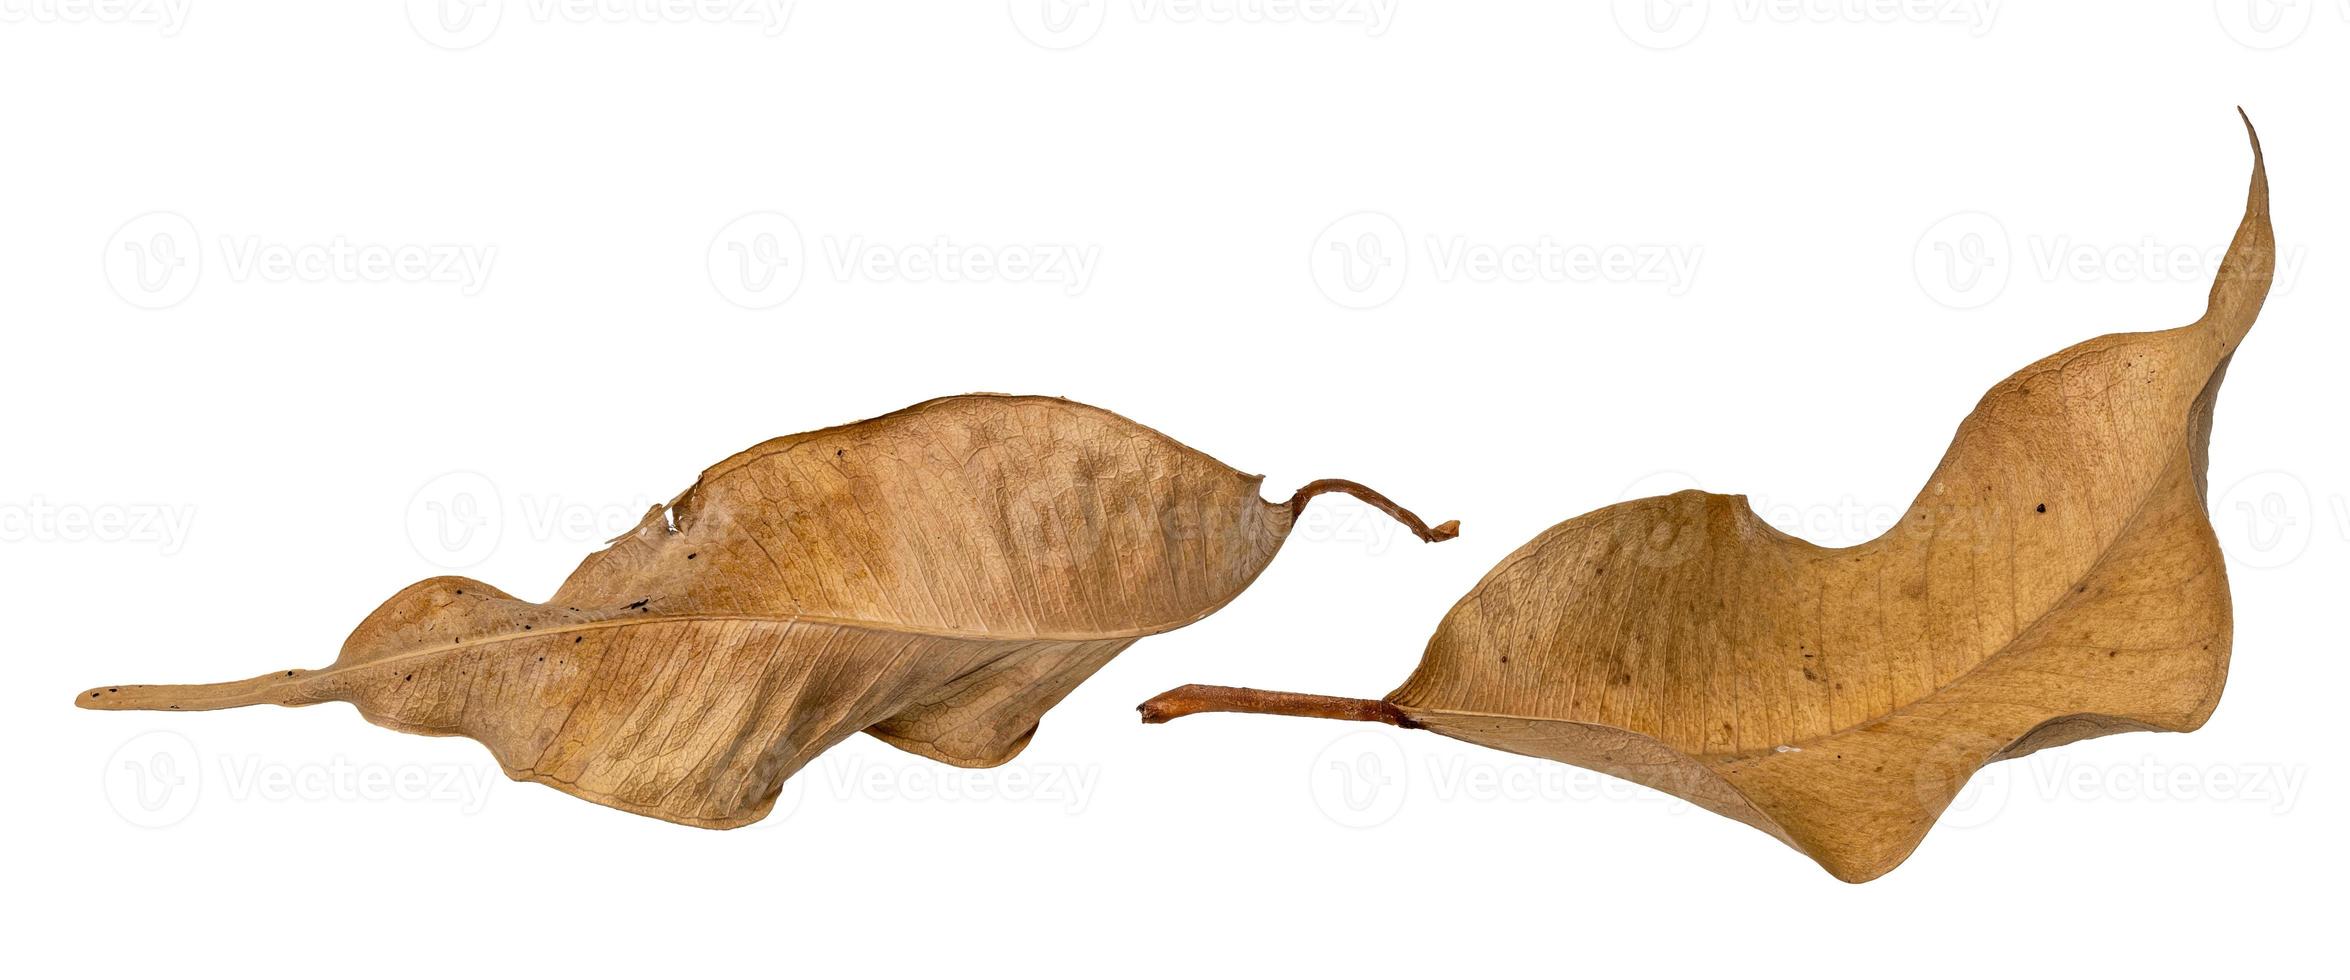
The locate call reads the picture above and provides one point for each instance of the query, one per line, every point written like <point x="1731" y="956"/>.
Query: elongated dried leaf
<point x="939" y="577"/>
<point x="2055" y="580"/>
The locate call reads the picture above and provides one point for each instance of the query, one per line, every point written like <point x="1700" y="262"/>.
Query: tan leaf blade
<point x="940" y="577"/>
<point x="2055" y="580"/>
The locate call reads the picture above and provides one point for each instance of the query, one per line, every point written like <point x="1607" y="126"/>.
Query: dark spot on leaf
<point x="2043" y="508"/>
<point x="693" y="556"/>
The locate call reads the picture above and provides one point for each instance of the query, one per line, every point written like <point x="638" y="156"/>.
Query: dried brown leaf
<point x="2055" y="580"/>
<point x="939" y="577"/>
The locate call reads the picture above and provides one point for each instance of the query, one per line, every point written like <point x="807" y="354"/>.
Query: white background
<point x="225" y="484"/>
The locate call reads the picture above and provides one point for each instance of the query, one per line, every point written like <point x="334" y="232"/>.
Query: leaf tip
<point x="114" y="697"/>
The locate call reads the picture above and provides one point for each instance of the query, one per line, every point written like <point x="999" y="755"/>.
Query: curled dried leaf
<point x="2056" y="579"/>
<point x="938" y="577"/>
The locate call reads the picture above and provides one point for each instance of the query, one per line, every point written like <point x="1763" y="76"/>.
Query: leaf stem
<point x="1441" y="532"/>
<point x="279" y="687"/>
<point x="1192" y="699"/>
